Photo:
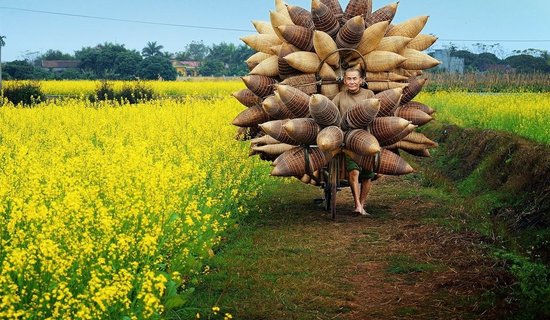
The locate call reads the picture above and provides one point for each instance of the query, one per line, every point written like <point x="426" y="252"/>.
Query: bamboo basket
<point x="300" y="37"/>
<point x="247" y="97"/>
<point x="419" y="106"/>
<point x="361" y="142"/>
<point x="278" y="19"/>
<point x="261" y="42"/>
<point x="273" y="149"/>
<point x="285" y="69"/>
<point x="350" y="34"/>
<point x="306" y="62"/>
<point x="420" y="138"/>
<point x="263" y="27"/>
<point x="389" y="101"/>
<point x="361" y="115"/>
<point x="378" y="86"/>
<point x="415" y="116"/>
<point x="323" y="110"/>
<point x="261" y="86"/>
<point x="295" y="100"/>
<point x="251" y="117"/>
<point x="301" y="17"/>
<point x="275" y="129"/>
<point x="256" y="58"/>
<point x="302" y="130"/>
<point x="330" y="139"/>
<point x="303" y="82"/>
<point x="325" y="47"/>
<point x="393" y="44"/>
<point x="417" y="60"/>
<point x="414" y="87"/>
<point x="263" y="140"/>
<point x="293" y="162"/>
<point x="358" y="8"/>
<point x="409" y="28"/>
<point x="378" y="61"/>
<point x="371" y="38"/>
<point x="324" y="18"/>
<point x="276" y="109"/>
<point x="384" y="76"/>
<point x="389" y="130"/>
<point x="269" y="67"/>
<point x="385" y="13"/>
<point x="422" y="42"/>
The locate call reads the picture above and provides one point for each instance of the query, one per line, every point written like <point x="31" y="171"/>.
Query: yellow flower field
<point x="525" y="114"/>
<point x="108" y="211"/>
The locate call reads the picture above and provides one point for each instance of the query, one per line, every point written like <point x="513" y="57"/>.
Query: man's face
<point x="352" y="81"/>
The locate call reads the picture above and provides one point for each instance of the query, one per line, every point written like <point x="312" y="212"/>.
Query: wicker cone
<point x="419" y="106"/>
<point x="415" y="116"/>
<point x="296" y="100"/>
<point x="261" y="42"/>
<point x="293" y="162"/>
<point x="278" y="19"/>
<point x="422" y="42"/>
<point x="307" y="62"/>
<point x="358" y="8"/>
<point x="378" y="86"/>
<point x="420" y="138"/>
<point x="247" y="97"/>
<point x="330" y="90"/>
<point x="263" y="140"/>
<point x="273" y="149"/>
<point x="392" y="164"/>
<point x="303" y="130"/>
<point x="298" y="36"/>
<point x="323" y="110"/>
<point x="387" y="129"/>
<point x="335" y="7"/>
<point x="324" y="19"/>
<point x="385" y="13"/>
<point x="251" y="117"/>
<point x="257" y="57"/>
<point x="393" y="43"/>
<point x="404" y="144"/>
<point x="275" y="129"/>
<point x="378" y="61"/>
<point x="325" y="47"/>
<point x="269" y="67"/>
<point x="389" y="101"/>
<point x="301" y="17"/>
<point x="276" y="109"/>
<point x="303" y="82"/>
<point x="285" y="70"/>
<point x="409" y="28"/>
<point x="370" y="39"/>
<point x="350" y="34"/>
<point x="384" y="76"/>
<point x="414" y="87"/>
<point x="417" y="60"/>
<point x="262" y="86"/>
<point x="361" y="115"/>
<point x="263" y="27"/>
<point x="361" y="142"/>
<point x="330" y="139"/>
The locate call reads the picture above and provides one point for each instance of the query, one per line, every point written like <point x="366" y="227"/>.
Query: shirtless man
<point x="359" y="178"/>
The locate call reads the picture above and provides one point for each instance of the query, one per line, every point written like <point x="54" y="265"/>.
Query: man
<point x="351" y="96"/>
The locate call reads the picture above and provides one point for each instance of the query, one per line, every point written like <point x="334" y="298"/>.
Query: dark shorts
<point x="364" y="174"/>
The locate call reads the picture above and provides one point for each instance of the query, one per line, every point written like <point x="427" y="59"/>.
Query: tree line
<point x="114" y="61"/>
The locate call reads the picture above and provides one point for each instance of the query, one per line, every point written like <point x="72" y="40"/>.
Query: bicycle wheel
<point x="334" y="178"/>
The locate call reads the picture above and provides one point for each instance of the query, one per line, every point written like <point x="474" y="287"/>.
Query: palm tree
<point x="2" y="43"/>
<point x="152" y="49"/>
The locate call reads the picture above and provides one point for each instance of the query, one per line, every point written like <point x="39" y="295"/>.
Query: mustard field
<point x="108" y="211"/>
<point x="111" y="211"/>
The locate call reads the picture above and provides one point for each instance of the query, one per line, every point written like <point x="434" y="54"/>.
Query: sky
<point x="31" y="27"/>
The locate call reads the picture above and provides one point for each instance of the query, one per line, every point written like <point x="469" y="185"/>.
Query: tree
<point x="196" y="51"/>
<point x="52" y="54"/>
<point x="19" y="69"/>
<point x="152" y="49"/>
<point x="109" y="60"/>
<point x="153" y="67"/>
<point x="524" y="63"/>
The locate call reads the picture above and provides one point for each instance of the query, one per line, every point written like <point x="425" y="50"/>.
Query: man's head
<point x="352" y="80"/>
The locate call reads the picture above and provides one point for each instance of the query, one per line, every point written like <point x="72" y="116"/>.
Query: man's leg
<point x="365" y="189"/>
<point x="353" y="177"/>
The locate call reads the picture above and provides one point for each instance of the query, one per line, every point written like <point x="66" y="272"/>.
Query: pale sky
<point x="28" y="33"/>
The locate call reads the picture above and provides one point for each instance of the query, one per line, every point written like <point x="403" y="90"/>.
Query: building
<point x="448" y="63"/>
<point x="60" y="65"/>
<point x="186" y="68"/>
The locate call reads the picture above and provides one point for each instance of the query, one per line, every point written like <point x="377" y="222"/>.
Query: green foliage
<point x="405" y="264"/>
<point x="152" y="49"/>
<point x="25" y="93"/>
<point x="105" y="91"/>
<point x="109" y="61"/>
<point x="533" y="285"/>
<point x="155" y="67"/>
<point x="132" y="93"/>
<point x="19" y="70"/>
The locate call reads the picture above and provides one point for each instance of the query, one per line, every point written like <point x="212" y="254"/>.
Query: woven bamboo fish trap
<point x="302" y="130"/>
<point x="393" y="44"/>
<point x="262" y="86"/>
<point x="419" y="106"/>
<point x="385" y="76"/>
<point x="268" y="67"/>
<point x="417" y="60"/>
<point x="306" y="62"/>
<point x="410" y="28"/>
<point x="256" y="58"/>
<point x="420" y="138"/>
<point x="389" y="101"/>
<point x="275" y="129"/>
<point x="263" y="27"/>
<point x="358" y="8"/>
<point x="247" y="97"/>
<point x="361" y="115"/>
<point x="293" y="162"/>
<point x="415" y="116"/>
<point x="324" y="18"/>
<point x="385" y="13"/>
<point x="301" y="17"/>
<point x="273" y="149"/>
<point x="378" y="61"/>
<point x="285" y="69"/>
<point x="251" y="117"/>
<point x="295" y="100"/>
<point x="378" y="86"/>
<point x="276" y="109"/>
<point x="263" y="140"/>
<point x="300" y="37"/>
<point x="387" y="129"/>
<point x="361" y="142"/>
<point x="262" y="42"/>
<point x="422" y="42"/>
<point x="371" y="38"/>
<point x="330" y="138"/>
<point x="303" y="82"/>
<point x="350" y="34"/>
<point x="414" y="88"/>
<point x="324" y="47"/>
<point x="323" y="110"/>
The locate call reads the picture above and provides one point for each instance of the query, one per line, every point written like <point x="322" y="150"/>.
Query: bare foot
<point x="362" y="212"/>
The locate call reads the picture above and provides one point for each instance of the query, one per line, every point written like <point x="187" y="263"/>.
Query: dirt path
<point x="298" y="264"/>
